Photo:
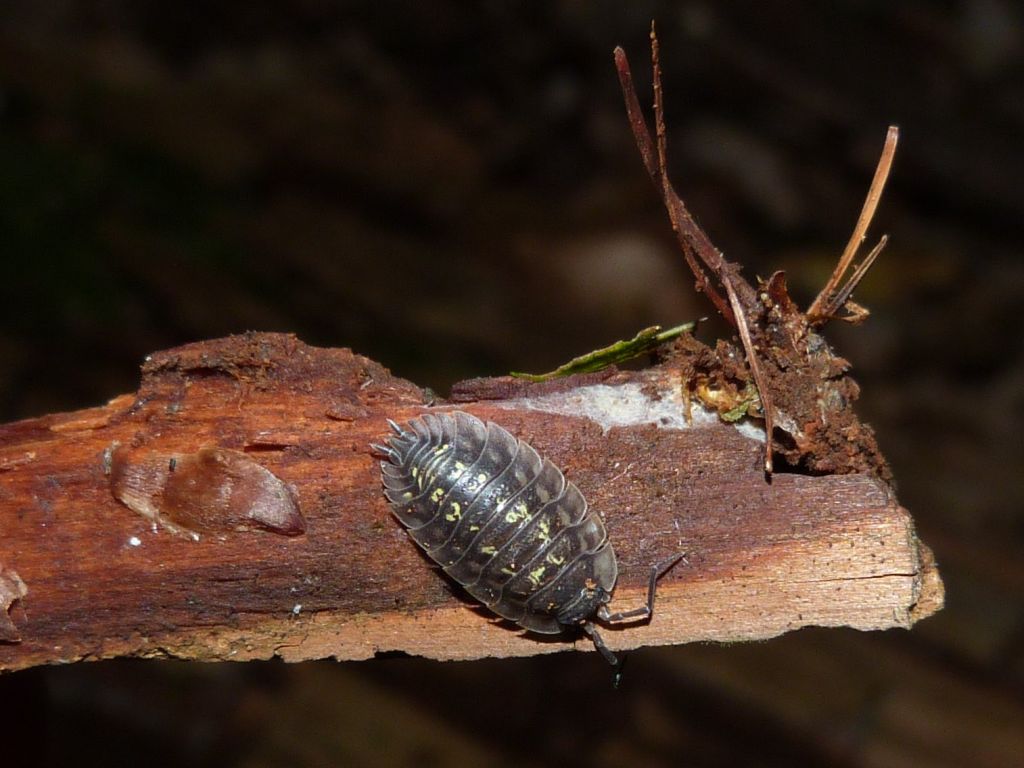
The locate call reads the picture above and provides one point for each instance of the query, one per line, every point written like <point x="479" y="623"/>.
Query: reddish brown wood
<point x="98" y="579"/>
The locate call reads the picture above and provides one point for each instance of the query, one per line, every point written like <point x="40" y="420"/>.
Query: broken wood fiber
<point x="88" y="571"/>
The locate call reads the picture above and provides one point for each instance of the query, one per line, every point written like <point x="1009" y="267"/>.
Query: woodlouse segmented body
<point x="504" y="523"/>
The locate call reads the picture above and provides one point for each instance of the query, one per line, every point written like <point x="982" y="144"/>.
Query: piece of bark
<point x="104" y="572"/>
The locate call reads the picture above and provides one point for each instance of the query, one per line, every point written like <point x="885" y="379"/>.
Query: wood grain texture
<point x="101" y="580"/>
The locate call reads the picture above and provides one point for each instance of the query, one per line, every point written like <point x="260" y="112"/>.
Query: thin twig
<point x="695" y="244"/>
<point x="668" y="194"/>
<point x="847" y="290"/>
<point x="641" y="133"/>
<point x="721" y="267"/>
<point x="755" y="369"/>
<point x="659" y="114"/>
<point x="818" y="312"/>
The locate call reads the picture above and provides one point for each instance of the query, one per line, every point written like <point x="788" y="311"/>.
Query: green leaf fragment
<point x="737" y="413"/>
<point x="746" y="407"/>
<point x="619" y="352"/>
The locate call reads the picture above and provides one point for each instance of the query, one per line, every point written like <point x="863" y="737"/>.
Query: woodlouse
<point x="505" y="524"/>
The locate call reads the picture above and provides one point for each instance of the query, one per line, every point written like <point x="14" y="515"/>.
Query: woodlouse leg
<point x="645" y="611"/>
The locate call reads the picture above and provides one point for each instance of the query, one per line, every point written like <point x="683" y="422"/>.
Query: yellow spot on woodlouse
<point x="518" y="512"/>
<point x="415" y="471"/>
<point x="544" y="530"/>
<point x="536" y="575"/>
<point x="474" y="528"/>
<point x="555" y="559"/>
<point x="476" y="483"/>
<point x="407" y="495"/>
<point x="436" y="495"/>
<point x="488" y="550"/>
<point x="455" y="514"/>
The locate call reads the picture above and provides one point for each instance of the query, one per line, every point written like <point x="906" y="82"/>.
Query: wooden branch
<point x="249" y="520"/>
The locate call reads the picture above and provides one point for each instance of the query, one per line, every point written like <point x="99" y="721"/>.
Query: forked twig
<point x="843" y="296"/>
<point x="832" y="298"/>
<point x="692" y="239"/>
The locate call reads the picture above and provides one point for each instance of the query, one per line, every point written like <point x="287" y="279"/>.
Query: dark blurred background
<point x="456" y="193"/>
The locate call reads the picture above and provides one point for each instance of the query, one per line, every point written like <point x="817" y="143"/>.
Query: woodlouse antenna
<point x="591" y="631"/>
<point x="646" y="610"/>
<point x="643" y="613"/>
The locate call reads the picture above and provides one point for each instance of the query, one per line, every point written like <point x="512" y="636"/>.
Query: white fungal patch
<point x="750" y="429"/>
<point x="627" y="405"/>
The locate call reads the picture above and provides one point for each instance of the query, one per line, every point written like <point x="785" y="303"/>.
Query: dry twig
<point x="750" y="311"/>
<point x="831" y="298"/>
<point x="695" y="244"/>
<point x="693" y="240"/>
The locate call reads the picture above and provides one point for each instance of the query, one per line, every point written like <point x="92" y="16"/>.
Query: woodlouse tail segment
<point x="647" y="610"/>
<point x="397" y="429"/>
<point x="384" y="450"/>
<point x="396" y="446"/>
